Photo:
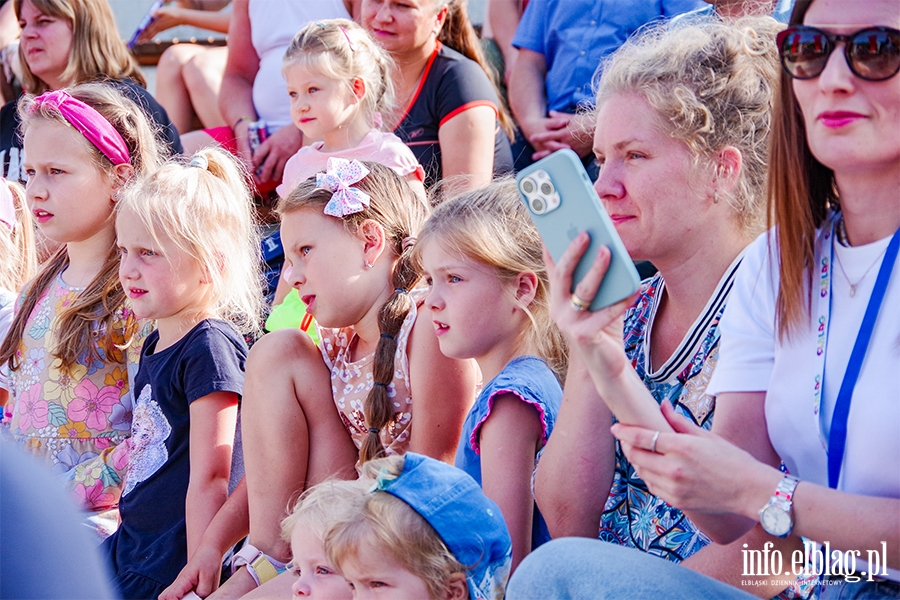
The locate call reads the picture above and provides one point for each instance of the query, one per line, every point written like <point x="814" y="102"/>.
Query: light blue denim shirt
<point x="575" y="35"/>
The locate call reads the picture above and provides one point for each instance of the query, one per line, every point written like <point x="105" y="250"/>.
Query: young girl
<point x="320" y="507"/>
<point x="481" y="257"/>
<point x="18" y="260"/>
<point x="189" y="260"/>
<point x="310" y="413"/>
<point x="339" y="81"/>
<point x="423" y="529"/>
<point x="71" y="342"/>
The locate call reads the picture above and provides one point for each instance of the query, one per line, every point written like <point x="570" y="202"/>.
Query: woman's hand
<point x="166" y="17"/>
<point x="597" y="335"/>
<point x="697" y="470"/>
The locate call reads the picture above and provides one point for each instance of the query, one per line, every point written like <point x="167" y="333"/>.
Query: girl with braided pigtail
<point x="312" y="413"/>
<point x="378" y="409"/>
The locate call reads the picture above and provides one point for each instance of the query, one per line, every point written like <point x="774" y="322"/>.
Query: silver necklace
<point x="842" y="238"/>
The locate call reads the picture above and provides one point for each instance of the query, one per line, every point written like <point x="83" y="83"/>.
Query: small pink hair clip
<point x="338" y="178"/>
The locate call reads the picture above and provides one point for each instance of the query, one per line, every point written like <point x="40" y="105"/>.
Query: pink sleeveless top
<point x="351" y="382"/>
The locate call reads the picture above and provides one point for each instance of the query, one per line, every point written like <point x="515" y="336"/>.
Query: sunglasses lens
<point x="804" y="52"/>
<point x="875" y="53"/>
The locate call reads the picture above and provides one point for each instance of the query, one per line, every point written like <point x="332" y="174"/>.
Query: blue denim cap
<point x="469" y="523"/>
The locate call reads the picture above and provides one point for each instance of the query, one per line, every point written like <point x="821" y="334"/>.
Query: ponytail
<point x="458" y="34"/>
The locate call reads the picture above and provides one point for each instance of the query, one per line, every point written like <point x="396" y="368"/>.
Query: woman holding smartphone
<point x="683" y="115"/>
<point x="810" y="353"/>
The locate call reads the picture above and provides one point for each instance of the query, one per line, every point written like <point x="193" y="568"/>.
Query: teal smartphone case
<point x="562" y="203"/>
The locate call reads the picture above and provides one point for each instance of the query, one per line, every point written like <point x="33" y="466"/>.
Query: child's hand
<point x="201" y="575"/>
<point x="271" y="156"/>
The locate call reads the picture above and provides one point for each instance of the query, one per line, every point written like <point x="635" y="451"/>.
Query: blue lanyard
<point x="837" y="439"/>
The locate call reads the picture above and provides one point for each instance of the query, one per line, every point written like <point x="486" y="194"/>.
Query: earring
<point x="369" y="265"/>
<point x="716" y="197"/>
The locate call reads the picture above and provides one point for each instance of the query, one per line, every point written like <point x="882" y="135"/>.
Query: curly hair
<point x="712" y="84"/>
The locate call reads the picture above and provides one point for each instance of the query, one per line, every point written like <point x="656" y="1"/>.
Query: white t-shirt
<point x="752" y="358"/>
<point x="273" y="24"/>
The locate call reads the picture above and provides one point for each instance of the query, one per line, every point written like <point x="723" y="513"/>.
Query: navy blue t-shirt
<point x="151" y="543"/>
<point x="451" y="84"/>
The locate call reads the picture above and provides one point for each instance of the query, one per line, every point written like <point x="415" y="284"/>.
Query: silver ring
<point x="578" y="304"/>
<point x="653" y="444"/>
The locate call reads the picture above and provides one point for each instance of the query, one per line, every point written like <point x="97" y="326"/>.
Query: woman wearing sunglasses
<point x="809" y="366"/>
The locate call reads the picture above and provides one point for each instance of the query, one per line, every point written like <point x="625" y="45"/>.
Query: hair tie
<point x="408" y="242"/>
<point x="400" y="291"/>
<point x="387" y="335"/>
<point x="379" y="384"/>
<point x="349" y="41"/>
<point x="90" y="123"/>
<point x="7" y="205"/>
<point x="200" y="161"/>
<point x="338" y="178"/>
<point x="374" y="430"/>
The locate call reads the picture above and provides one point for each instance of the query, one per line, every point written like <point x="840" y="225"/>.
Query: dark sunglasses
<point x="872" y="53"/>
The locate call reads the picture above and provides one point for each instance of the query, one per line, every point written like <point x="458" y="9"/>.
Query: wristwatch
<point x="777" y="517"/>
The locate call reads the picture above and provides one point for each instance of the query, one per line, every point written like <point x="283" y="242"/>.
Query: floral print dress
<point x="352" y="380"/>
<point x="75" y="418"/>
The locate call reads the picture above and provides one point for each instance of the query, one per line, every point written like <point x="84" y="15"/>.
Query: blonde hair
<point x="206" y="209"/>
<point x="490" y="225"/>
<point x="342" y="50"/>
<point x="18" y="257"/>
<point x="322" y="505"/>
<point x="711" y="84"/>
<point x="394" y="527"/>
<point x="401" y="212"/>
<point x="97" y="48"/>
<point x="95" y="306"/>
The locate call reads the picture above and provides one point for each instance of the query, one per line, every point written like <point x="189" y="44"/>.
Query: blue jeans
<point x="584" y="568"/>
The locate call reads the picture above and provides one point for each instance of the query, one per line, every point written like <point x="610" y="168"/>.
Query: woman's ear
<point x="457" y="587"/>
<point x="372" y="234"/>
<point x="729" y="163"/>
<point x="526" y="284"/>
<point x="440" y="19"/>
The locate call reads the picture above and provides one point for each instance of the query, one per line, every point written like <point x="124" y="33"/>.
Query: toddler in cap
<point x="424" y="528"/>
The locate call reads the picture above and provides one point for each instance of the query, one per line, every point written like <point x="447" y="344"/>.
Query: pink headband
<point x="90" y="123"/>
<point x="7" y="207"/>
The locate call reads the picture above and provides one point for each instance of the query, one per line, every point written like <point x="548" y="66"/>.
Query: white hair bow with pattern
<point x="338" y="178"/>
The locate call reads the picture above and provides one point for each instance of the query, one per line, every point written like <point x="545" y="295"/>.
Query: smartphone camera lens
<point x="547" y="188"/>
<point x="537" y="205"/>
<point x="528" y="186"/>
